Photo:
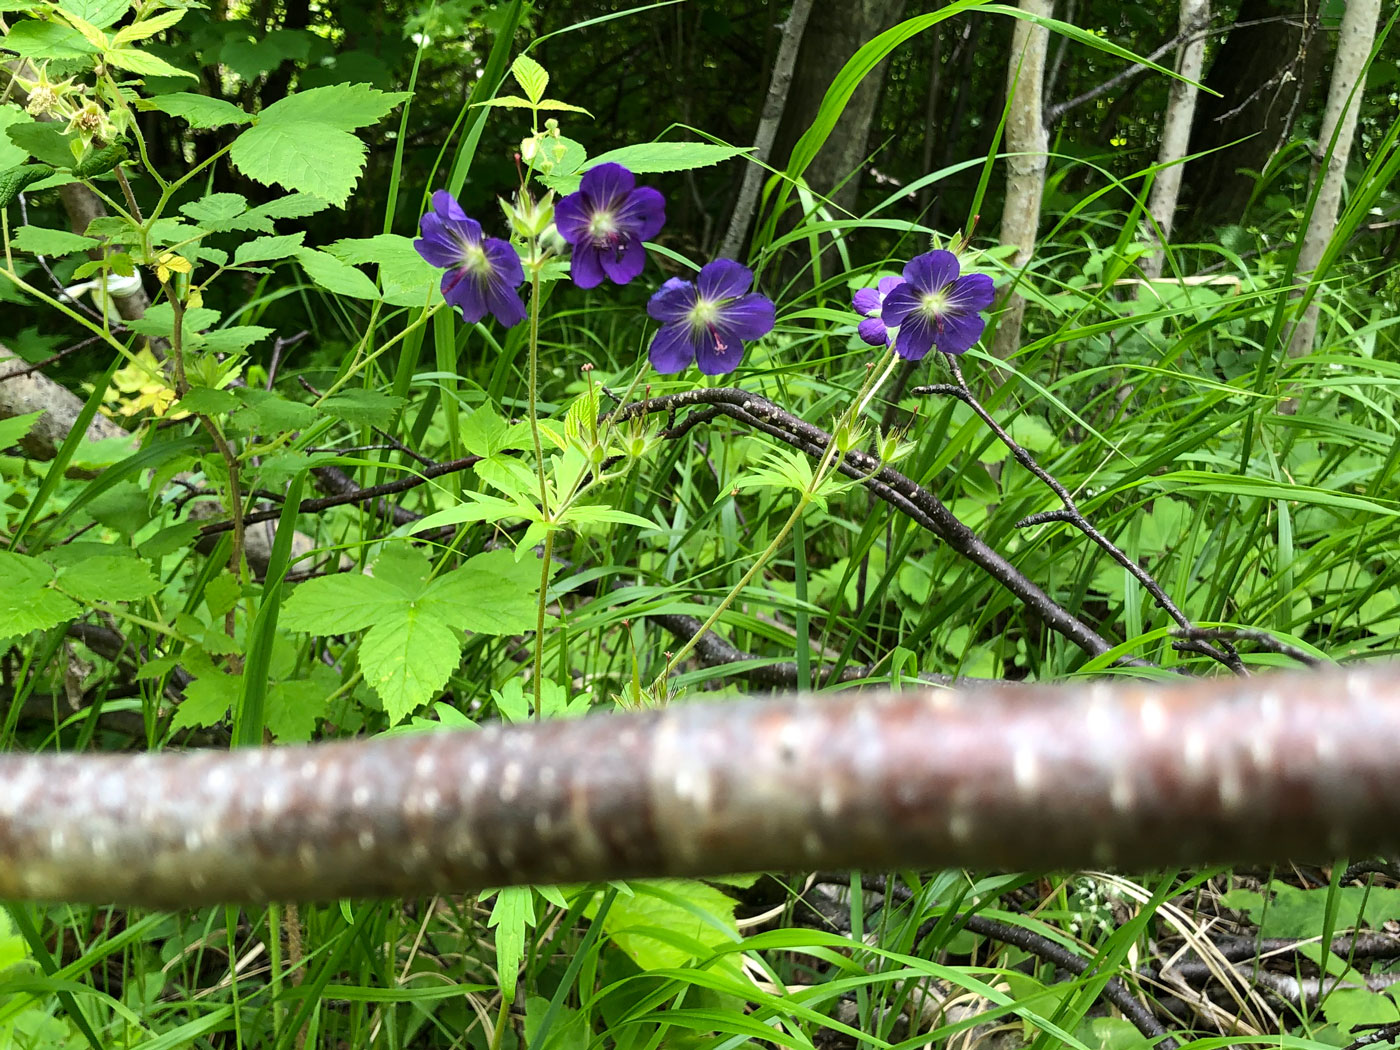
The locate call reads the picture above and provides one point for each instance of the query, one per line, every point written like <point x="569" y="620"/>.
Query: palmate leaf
<point x="491" y="594"/>
<point x="109" y="578"/>
<point x="337" y="604"/>
<point x="308" y="156"/>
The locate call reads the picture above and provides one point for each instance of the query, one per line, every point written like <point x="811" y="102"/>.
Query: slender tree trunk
<point x="1176" y="128"/>
<point x="1358" y="33"/>
<point x="773" y="106"/>
<point x="1027" y="141"/>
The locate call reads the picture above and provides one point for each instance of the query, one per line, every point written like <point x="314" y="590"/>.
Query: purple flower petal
<point x="902" y="301"/>
<point x="505" y="263"/>
<point x="671" y="350"/>
<point x="644" y="213"/>
<point x="866" y="302"/>
<point x="888" y="284"/>
<point x="446" y="205"/>
<point x="932" y="270"/>
<point x="606" y="184"/>
<point x="672" y="302"/>
<point x="586" y="266"/>
<point x="724" y="279"/>
<point x="624" y="264"/>
<point x="748" y="317"/>
<point x="571" y="218"/>
<point x="915" y="337"/>
<point x="462" y="291"/>
<point x="436" y="251"/>
<point x="717" y="356"/>
<point x="970" y="293"/>
<point x="874" y="332"/>
<point x="957" y="332"/>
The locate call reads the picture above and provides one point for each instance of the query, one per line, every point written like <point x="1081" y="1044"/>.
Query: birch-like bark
<point x="1354" y="40"/>
<point x="1176" y="128"/>
<point x="1265" y="769"/>
<point x="1027" y="142"/>
<point x="773" y="106"/>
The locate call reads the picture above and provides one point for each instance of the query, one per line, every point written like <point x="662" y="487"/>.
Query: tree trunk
<point x="773" y="106"/>
<point x="1027" y="141"/>
<point x="1358" y="32"/>
<point x="1176" y="128"/>
<point x="1264" y="73"/>
<point x="835" y="31"/>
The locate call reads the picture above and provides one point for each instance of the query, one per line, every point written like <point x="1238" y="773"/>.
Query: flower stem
<point x="532" y="401"/>
<point x="539" y="621"/>
<point x="869" y="388"/>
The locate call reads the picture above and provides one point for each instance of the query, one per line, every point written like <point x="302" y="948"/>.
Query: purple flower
<point x="606" y="221"/>
<point x="868" y="303"/>
<point x="483" y="273"/>
<point x="708" y="319"/>
<point x="934" y="307"/>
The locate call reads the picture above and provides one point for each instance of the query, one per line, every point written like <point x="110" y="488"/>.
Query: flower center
<point x="602" y="227"/>
<point x="703" y="317"/>
<point x="934" y="305"/>
<point x="474" y="259"/>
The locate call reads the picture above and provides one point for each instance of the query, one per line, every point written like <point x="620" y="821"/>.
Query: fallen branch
<point x="1237" y="770"/>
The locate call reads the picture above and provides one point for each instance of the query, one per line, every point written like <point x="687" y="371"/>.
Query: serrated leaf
<point x="216" y="208"/>
<point x="208" y="401"/>
<point x="292" y="206"/>
<point x="268" y="411"/>
<point x="147" y="27"/>
<point x="199" y="111"/>
<point x="513" y="910"/>
<point x="267" y="249"/>
<point x="109" y="579"/>
<point x="34" y="610"/>
<point x="43" y="140"/>
<point x="335" y="276"/>
<point x="35" y="39"/>
<point x="312" y="157"/>
<point x="234" y="339"/>
<point x="292" y="708"/>
<point x="516" y="102"/>
<point x="407" y="658"/>
<point x="207" y="699"/>
<point x="491" y="594"/>
<point x="408" y="280"/>
<point x="484" y="432"/>
<point x="101" y="13"/>
<point x="20" y="572"/>
<point x="669" y="156"/>
<point x="404" y="568"/>
<point x="364" y="407"/>
<point x="91" y="33"/>
<point x="169" y="539"/>
<point x="42" y="241"/>
<point x="589" y="515"/>
<point x="480" y="507"/>
<point x="341" y="106"/>
<point x="338" y="604"/>
<point x="531" y="77"/>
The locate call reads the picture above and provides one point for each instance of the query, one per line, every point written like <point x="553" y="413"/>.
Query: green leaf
<point x="407" y="278"/>
<point x="44" y="141"/>
<point x="406" y="658"/>
<point x="99" y="162"/>
<point x="34" y="39"/>
<point x="147" y="27"/>
<point x="491" y="594"/>
<point x="215" y="210"/>
<point x="269" y="411"/>
<point x="208" y="698"/>
<point x="11" y="154"/>
<point x="20" y="572"/>
<point x="589" y="515"/>
<point x="100" y="13"/>
<point x="338" y="604"/>
<point x="669" y="156"/>
<point x="516" y="102"/>
<point x="40" y="241"/>
<point x="514" y="909"/>
<point x="169" y="540"/>
<point x="335" y="276"/>
<point x="265" y="249"/>
<point x="310" y="156"/>
<point x="34" y="610"/>
<point x="199" y="111"/>
<point x="404" y="568"/>
<point x="293" y="708"/>
<point x="109" y="579"/>
<point x="363" y="407"/>
<point x="143" y="63"/>
<point x="14" y="428"/>
<point x="531" y="77"/>
<point x="233" y="340"/>
<point x="14" y="181"/>
<point x="208" y="401"/>
<point x="692" y="919"/>
<point x="341" y="106"/>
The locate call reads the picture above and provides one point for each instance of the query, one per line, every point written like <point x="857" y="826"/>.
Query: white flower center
<point x="602" y="225"/>
<point x="934" y="305"/>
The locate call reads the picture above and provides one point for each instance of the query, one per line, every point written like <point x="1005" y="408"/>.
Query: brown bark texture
<point x="1131" y="774"/>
